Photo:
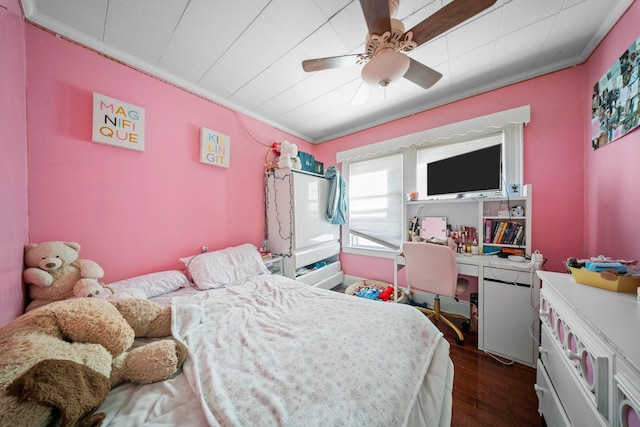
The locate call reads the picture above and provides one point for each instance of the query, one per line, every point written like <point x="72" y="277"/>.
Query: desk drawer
<point x="320" y="274"/>
<point x="578" y="405"/>
<point x="518" y="277"/>
<point x="549" y="405"/>
<point x="468" y="269"/>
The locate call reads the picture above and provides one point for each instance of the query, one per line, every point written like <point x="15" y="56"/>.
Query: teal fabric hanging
<point x="337" y="200"/>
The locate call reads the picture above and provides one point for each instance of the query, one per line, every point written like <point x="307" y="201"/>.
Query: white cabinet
<point x="297" y="230"/>
<point x="507" y="301"/>
<point x="274" y="265"/>
<point x="508" y="324"/>
<point x="589" y="367"/>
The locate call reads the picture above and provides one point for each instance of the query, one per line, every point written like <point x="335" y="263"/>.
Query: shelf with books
<point x="506" y="223"/>
<point x="477" y="213"/>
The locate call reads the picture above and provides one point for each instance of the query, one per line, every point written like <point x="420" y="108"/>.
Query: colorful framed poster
<point x="614" y="104"/>
<point x="215" y="148"/>
<point x="117" y="123"/>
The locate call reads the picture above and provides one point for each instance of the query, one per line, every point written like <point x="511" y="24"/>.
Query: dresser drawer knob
<point x="572" y="356"/>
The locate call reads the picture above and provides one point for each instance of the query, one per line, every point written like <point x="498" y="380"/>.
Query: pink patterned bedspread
<point x="275" y="352"/>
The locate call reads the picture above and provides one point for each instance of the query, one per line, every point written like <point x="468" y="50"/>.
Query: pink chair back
<point x="431" y="268"/>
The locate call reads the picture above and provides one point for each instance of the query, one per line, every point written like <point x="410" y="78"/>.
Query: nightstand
<point x="274" y="264"/>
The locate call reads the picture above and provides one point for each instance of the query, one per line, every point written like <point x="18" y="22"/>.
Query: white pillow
<point x="154" y="284"/>
<point x="225" y="267"/>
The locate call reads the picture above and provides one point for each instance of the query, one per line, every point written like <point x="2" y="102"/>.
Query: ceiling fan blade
<point x="422" y="75"/>
<point x="331" y="62"/>
<point x="376" y="14"/>
<point x="448" y="17"/>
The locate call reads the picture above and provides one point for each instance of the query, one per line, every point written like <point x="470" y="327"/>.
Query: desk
<point x="508" y="299"/>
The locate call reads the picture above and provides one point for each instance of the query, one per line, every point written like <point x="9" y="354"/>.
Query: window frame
<point x="346" y="232"/>
<point x="510" y="123"/>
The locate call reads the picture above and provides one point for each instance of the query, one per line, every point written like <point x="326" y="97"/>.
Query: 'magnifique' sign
<point x="117" y="123"/>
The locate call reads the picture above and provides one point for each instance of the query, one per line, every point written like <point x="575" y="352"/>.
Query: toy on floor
<point x="58" y="362"/>
<point x="386" y="293"/>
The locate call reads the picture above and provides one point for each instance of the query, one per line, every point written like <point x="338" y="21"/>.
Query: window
<point x="375" y="202"/>
<point x="380" y="175"/>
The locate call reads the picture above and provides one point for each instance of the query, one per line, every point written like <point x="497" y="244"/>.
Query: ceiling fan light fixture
<point x="388" y="66"/>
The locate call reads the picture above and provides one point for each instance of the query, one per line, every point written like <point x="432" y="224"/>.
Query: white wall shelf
<point x="475" y="212"/>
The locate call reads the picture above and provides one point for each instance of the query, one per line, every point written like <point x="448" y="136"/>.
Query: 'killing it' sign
<point x="215" y="148"/>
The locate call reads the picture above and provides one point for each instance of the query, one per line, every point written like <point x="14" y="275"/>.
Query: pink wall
<point x="552" y="159"/>
<point x="612" y="205"/>
<point x="585" y="202"/>
<point x="138" y="212"/>
<point x="13" y="161"/>
<point x="135" y="212"/>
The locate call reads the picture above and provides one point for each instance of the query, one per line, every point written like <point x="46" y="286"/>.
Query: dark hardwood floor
<point x="487" y="392"/>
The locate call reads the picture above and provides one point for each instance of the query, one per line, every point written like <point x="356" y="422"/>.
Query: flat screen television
<point x="471" y="172"/>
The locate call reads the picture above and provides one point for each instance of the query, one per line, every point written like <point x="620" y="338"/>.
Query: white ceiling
<point x="247" y="54"/>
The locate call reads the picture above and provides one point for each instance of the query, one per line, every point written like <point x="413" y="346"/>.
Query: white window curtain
<point x="376" y="202"/>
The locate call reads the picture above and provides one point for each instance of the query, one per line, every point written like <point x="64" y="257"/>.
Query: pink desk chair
<point x="432" y="268"/>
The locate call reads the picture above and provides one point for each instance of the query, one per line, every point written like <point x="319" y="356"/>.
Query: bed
<point x="266" y="350"/>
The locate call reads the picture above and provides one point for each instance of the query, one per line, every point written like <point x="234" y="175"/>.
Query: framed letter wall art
<point x="215" y="148"/>
<point x="117" y="123"/>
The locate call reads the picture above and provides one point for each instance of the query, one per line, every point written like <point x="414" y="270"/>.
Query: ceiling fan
<point x="385" y="61"/>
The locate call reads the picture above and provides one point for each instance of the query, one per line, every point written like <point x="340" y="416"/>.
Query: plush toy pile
<point x="87" y="288"/>
<point x="59" y="361"/>
<point x="53" y="269"/>
<point x="54" y="273"/>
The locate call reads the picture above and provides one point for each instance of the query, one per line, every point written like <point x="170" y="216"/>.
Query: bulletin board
<point x="614" y="106"/>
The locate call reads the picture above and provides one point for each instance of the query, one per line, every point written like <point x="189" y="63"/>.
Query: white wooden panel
<point x="207" y="29"/>
<point x="468" y="270"/>
<point x="548" y="402"/>
<point x="330" y="282"/>
<point x="142" y="28"/>
<point x="507" y="316"/>
<point x="317" y="253"/>
<point x="85" y="16"/>
<point x="320" y="274"/>
<point x="511" y="276"/>
<point x="576" y="402"/>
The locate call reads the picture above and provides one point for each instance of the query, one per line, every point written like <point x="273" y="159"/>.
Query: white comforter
<point x="268" y="353"/>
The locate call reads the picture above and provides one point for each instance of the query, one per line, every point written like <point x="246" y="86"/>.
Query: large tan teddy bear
<point x="53" y="269"/>
<point x="58" y="362"/>
<point x="90" y="288"/>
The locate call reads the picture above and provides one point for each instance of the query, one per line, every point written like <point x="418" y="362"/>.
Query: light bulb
<point x="386" y="67"/>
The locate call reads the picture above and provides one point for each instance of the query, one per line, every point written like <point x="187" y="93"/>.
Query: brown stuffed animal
<point x="53" y="269"/>
<point x="58" y="362"/>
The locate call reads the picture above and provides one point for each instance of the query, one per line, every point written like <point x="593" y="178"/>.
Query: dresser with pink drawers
<point x="588" y="371"/>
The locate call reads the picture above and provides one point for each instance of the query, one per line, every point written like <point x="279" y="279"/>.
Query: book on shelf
<point x="488" y="229"/>
<point x="519" y="239"/>
<point x="509" y="239"/>
<point x="504" y="232"/>
<point x="499" y="232"/>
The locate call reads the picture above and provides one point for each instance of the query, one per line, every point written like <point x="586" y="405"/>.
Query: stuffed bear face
<point x="50" y="256"/>
<point x="288" y="149"/>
